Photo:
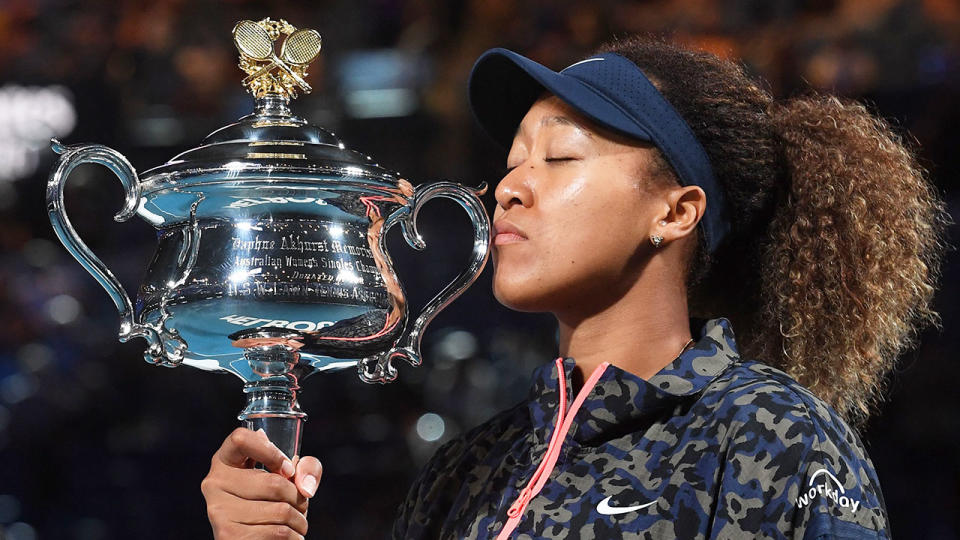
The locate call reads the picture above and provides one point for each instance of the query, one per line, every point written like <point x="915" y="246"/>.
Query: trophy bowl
<point x="271" y="259"/>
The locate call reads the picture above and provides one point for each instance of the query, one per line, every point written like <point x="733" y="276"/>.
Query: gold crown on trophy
<point x="268" y="73"/>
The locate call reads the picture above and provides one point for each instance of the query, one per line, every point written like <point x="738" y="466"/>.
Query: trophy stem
<point x="275" y="410"/>
<point x="272" y="401"/>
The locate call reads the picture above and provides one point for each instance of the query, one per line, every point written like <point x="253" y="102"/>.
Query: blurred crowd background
<point x="96" y="444"/>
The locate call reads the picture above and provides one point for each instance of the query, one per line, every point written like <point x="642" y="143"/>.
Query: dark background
<point x="96" y="444"/>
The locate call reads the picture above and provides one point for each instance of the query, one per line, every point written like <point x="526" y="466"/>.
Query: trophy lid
<point x="271" y="141"/>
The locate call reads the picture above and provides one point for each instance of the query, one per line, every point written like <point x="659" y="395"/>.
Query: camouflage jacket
<point x="712" y="446"/>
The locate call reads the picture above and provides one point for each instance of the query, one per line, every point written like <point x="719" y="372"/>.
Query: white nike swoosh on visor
<point x="582" y="62"/>
<point x="607" y="510"/>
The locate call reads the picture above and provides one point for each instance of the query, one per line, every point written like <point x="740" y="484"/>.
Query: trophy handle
<point x="379" y="368"/>
<point x="70" y="157"/>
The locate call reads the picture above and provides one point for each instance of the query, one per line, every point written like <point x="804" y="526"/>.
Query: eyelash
<point x="508" y="170"/>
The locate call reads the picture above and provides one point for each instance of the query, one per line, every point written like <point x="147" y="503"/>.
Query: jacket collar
<point x="621" y="401"/>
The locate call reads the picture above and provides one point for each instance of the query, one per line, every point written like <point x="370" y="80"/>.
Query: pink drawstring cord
<point x="564" y="421"/>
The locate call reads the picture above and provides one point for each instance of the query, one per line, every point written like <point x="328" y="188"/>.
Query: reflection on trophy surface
<point x="271" y="261"/>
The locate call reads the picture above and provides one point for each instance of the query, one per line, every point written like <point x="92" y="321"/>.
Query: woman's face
<point x="573" y="218"/>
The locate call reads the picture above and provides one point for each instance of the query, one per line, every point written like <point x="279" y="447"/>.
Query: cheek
<point x="587" y="250"/>
<point x="597" y="231"/>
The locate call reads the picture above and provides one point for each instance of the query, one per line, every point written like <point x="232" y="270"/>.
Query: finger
<point x="268" y="513"/>
<point x="243" y="445"/>
<point x="256" y="485"/>
<point x="309" y="471"/>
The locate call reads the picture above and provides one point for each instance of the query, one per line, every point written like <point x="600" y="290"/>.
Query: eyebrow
<point x="562" y="120"/>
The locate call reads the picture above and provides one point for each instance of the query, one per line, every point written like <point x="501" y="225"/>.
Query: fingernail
<point x="309" y="484"/>
<point x="287" y="468"/>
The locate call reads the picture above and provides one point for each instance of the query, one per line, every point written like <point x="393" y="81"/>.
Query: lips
<point x="507" y="233"/>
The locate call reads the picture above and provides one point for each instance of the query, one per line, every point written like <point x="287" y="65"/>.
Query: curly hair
<point x="837" y="234"/>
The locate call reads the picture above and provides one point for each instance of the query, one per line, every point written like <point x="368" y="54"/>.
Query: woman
<point x="647" y="185"/>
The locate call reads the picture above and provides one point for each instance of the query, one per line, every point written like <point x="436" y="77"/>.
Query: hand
<point x="243" y="502"/>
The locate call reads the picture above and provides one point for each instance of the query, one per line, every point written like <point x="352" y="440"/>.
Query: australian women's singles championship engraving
<point x="301" y="258"/>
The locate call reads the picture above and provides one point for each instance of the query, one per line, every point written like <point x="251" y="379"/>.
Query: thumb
<point x="243" y="445"/>
<point x="308" y="475"/>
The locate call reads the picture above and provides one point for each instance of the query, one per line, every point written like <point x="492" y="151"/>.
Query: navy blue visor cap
<point x="609" y="90"/>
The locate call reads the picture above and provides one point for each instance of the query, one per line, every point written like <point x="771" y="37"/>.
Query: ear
<point x="684" y="209"/>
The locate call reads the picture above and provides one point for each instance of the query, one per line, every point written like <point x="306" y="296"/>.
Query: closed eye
<point x="559" y="159"/>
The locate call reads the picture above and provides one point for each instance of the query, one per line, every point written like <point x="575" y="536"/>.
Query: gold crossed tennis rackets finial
<point x="266" y="71"/>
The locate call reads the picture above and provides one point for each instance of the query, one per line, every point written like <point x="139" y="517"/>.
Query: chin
<point x="517" y="296"/>
<point x="523" y="305"/>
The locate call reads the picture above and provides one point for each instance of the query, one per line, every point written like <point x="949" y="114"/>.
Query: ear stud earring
<point x="656" y="239"/>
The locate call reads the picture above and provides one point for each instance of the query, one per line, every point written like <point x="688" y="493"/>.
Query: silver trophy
<point x="271" y="261"/>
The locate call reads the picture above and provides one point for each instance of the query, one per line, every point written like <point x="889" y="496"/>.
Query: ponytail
<point x="851" y="258"/>
<point x="837" y="234"/>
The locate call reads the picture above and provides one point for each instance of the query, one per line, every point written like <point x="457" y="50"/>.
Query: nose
<point x="515" y="188"/>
